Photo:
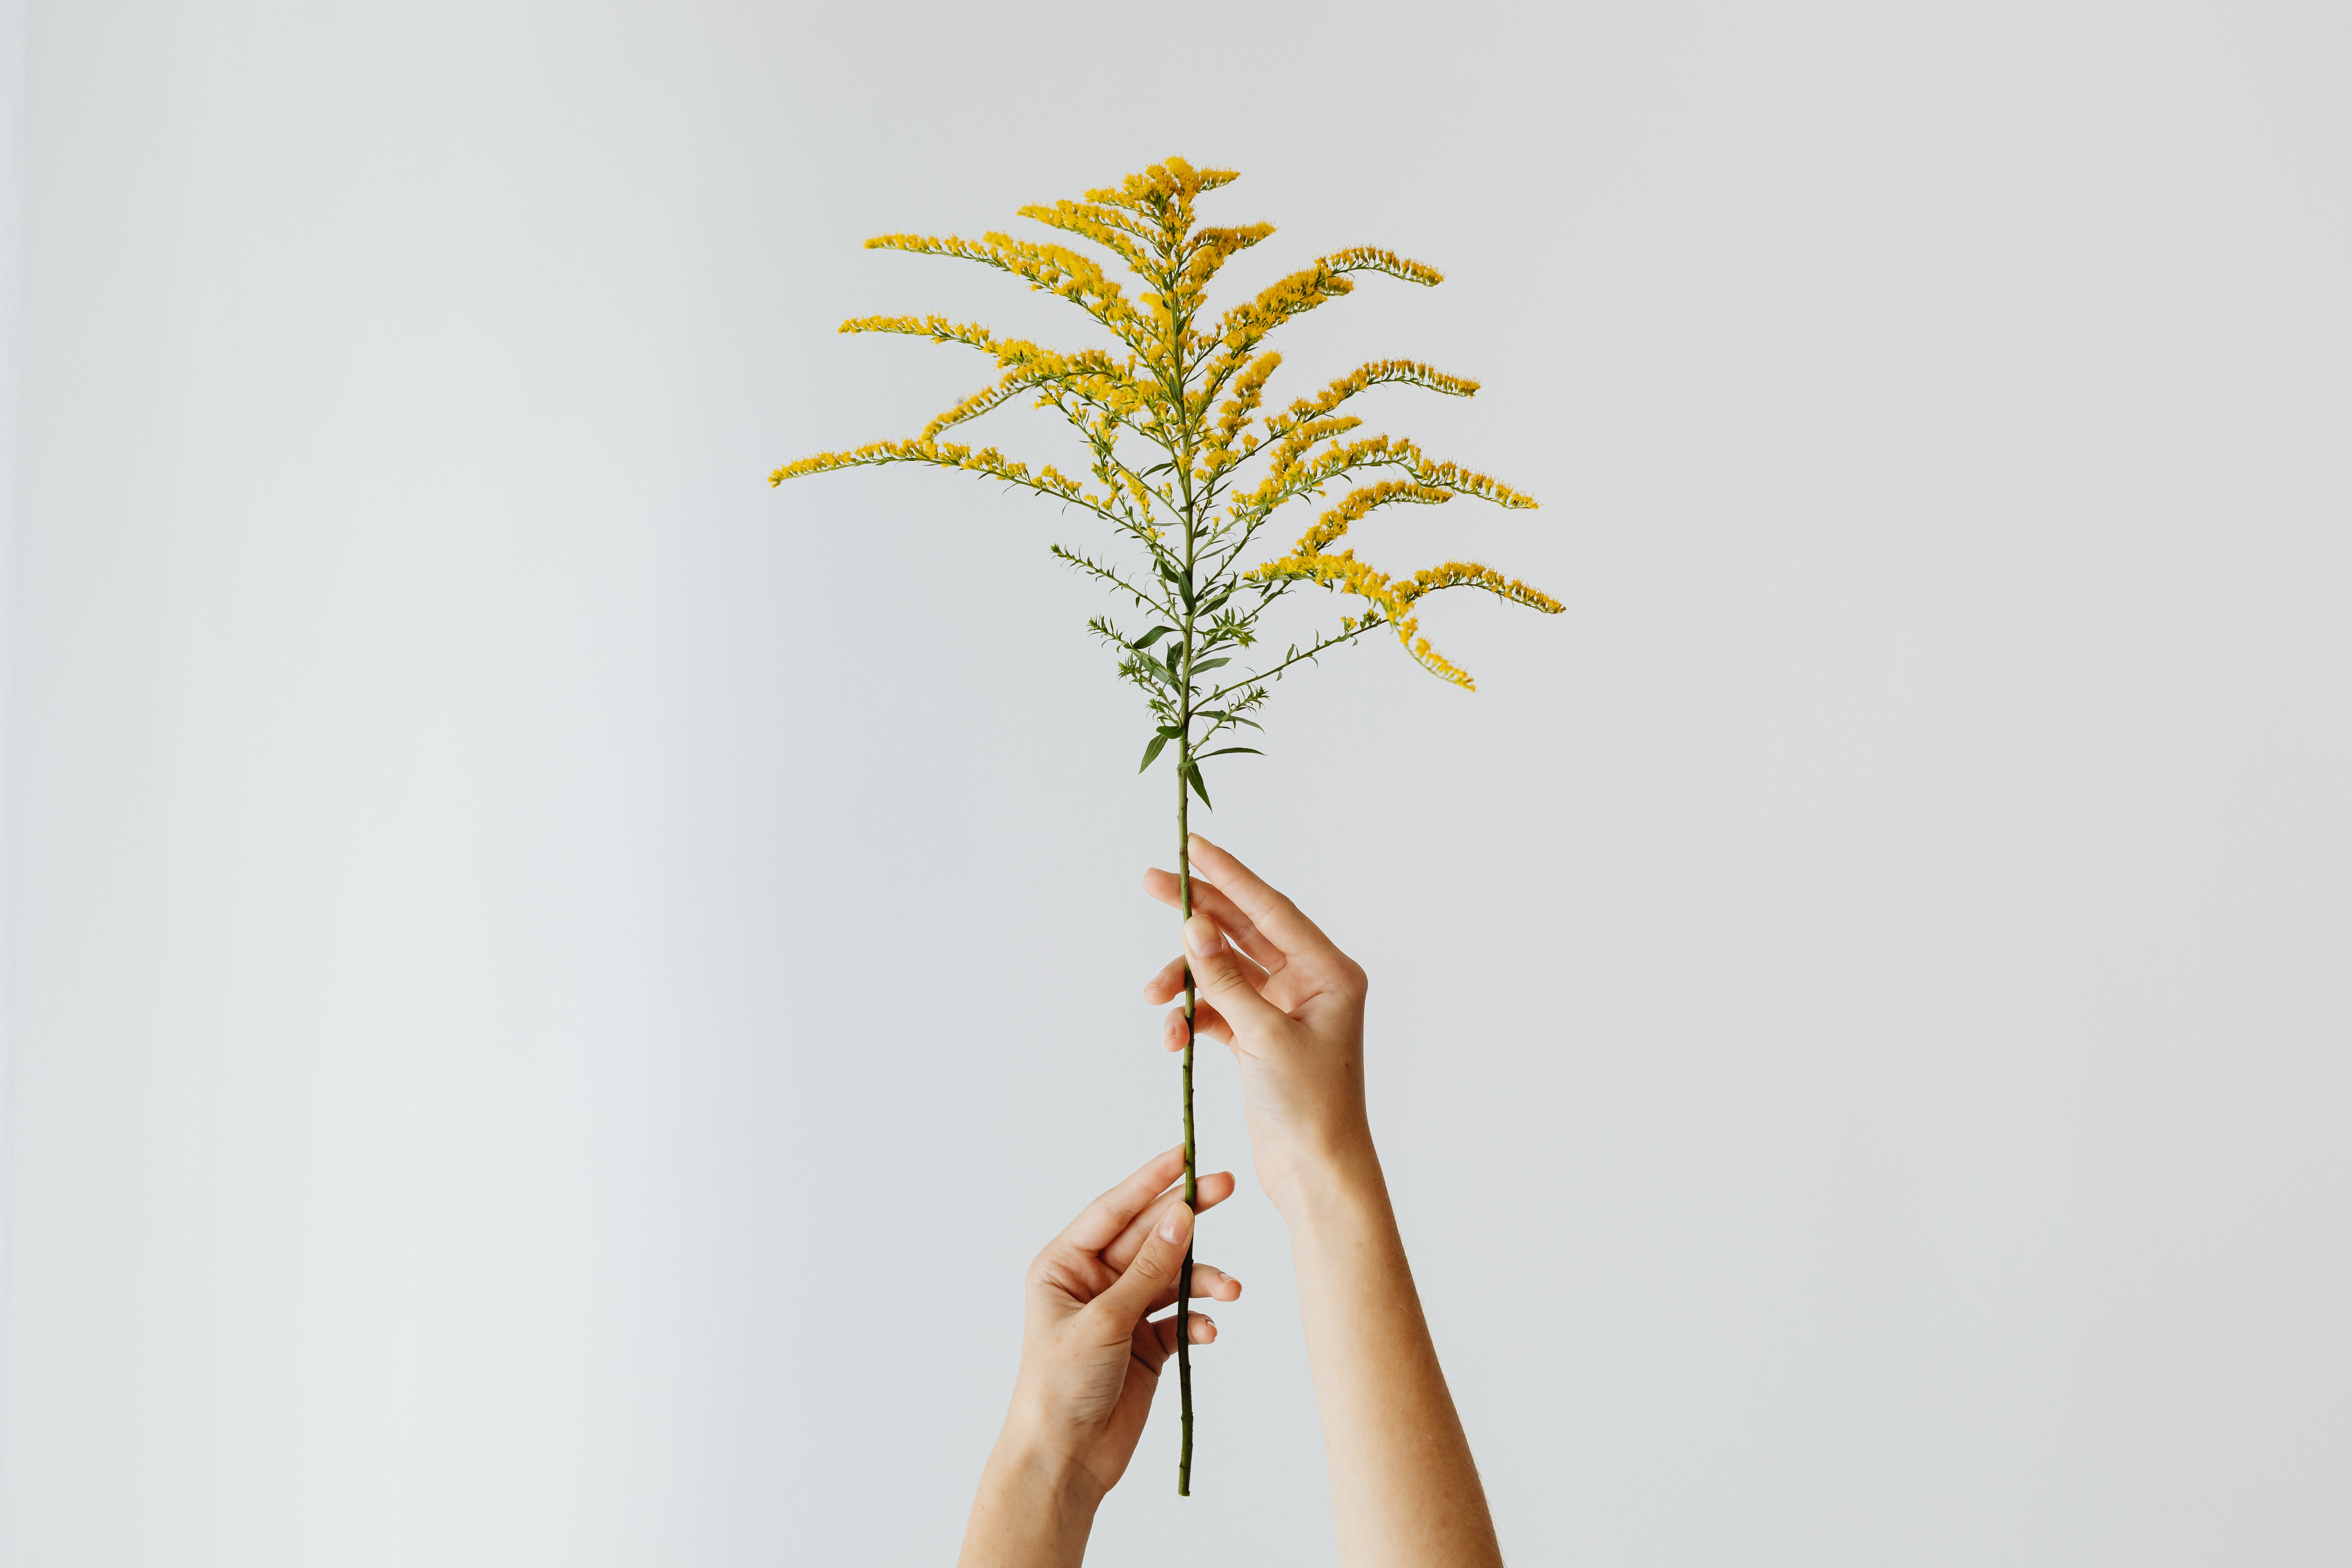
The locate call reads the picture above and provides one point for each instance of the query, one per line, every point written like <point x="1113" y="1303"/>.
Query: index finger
<point x="1208" y="1193"/>
<point x="1207" y="900"/>
<point x="1272" y="913"/>
<point x="1101" y="1221"/>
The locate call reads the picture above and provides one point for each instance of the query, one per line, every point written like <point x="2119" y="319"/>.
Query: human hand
<point x="1405" y="1489"/>
<point x="1288" y="1002"/>
<point x="1090" y="1356"/>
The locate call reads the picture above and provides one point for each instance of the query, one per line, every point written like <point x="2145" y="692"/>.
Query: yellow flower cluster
<point x="988" y="461"/>
<point x="1394" y="601"/>
<point x="1244" y="326"/>
<point x="1050" y="268"/>
<point x="1293" y="474"/>
<point x="1174" y="180"/>
<point x="1210" y="249"/>
<point x="1379" y="372"/>
<point x="1114" y="231"/>
<point x="1248" y="393"/>
<point x="1089" y="374"/>
<point x="1174" y="371"/>
<point x="1328" y="528"/>
<point x="1159" y="199"/>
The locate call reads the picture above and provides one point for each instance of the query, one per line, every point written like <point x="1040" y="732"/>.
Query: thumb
<point x="1217" y="971"/>
<point x="1153" y="1270"/>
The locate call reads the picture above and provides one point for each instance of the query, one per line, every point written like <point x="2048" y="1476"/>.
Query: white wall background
<point x="556" y="988"/>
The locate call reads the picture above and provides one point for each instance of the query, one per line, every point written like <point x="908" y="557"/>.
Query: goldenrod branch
<point x="1271" y="670"/>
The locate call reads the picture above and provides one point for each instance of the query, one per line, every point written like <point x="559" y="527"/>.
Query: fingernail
<point x="1168" y="1225"/>
<point x="1201" y="937"/>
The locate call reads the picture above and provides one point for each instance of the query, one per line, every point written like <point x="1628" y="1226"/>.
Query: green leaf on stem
<point x="1192" y="773"/>
<point x="1151" y="752"/>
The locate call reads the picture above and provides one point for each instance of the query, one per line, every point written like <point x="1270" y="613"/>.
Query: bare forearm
<point x="1403" y="1488"/>
<point x="1404" y="1491"/>
<point x="1032" y="1511"/>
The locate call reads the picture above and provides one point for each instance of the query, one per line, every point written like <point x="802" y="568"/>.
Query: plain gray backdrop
<point x="555" y="988"/>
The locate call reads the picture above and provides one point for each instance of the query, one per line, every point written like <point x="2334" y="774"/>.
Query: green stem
<point x="1277" y="670"/>
<point x="1184" y="1279"/>
<point x="1182" y="452"/>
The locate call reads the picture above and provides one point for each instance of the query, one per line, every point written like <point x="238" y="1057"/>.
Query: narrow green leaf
<point x="1151" y="752"/>
<point x="1230" y="751"/>
<point x="1208" y="664"/>
<point x="1153" y="636"/>
<point x="1192" y="771"/>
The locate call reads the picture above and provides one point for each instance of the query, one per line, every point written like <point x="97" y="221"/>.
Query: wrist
<point x="1036" y="1507"/>
<point x="1027" y="1461"/>
<point x="1335" y="1177"/>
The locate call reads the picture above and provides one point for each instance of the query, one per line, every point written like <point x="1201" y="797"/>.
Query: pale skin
<point x="1290" y="1005"/>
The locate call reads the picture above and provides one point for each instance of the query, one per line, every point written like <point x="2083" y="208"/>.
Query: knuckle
<point x="1344" y="977"/>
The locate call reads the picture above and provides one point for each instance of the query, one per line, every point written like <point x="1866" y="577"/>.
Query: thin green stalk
<point x="1184" y="1279"/>
<point x="1183" y="454"/>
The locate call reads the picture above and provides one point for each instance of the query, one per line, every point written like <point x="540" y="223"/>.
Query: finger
<point x="1208" y="899"/>
<point x="1208" y="1285"/>
<point x="1207" y="1022"/>
<point x="1208" y="1193"/>
<point x="1154" y="1340"/>
<point x="1108" y="1215"/>
<point x="1276" y="916"/>
<point x="1122" y="1306"/>
<point x="1217" y="971"/>
<point x="1168" y="983"/>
